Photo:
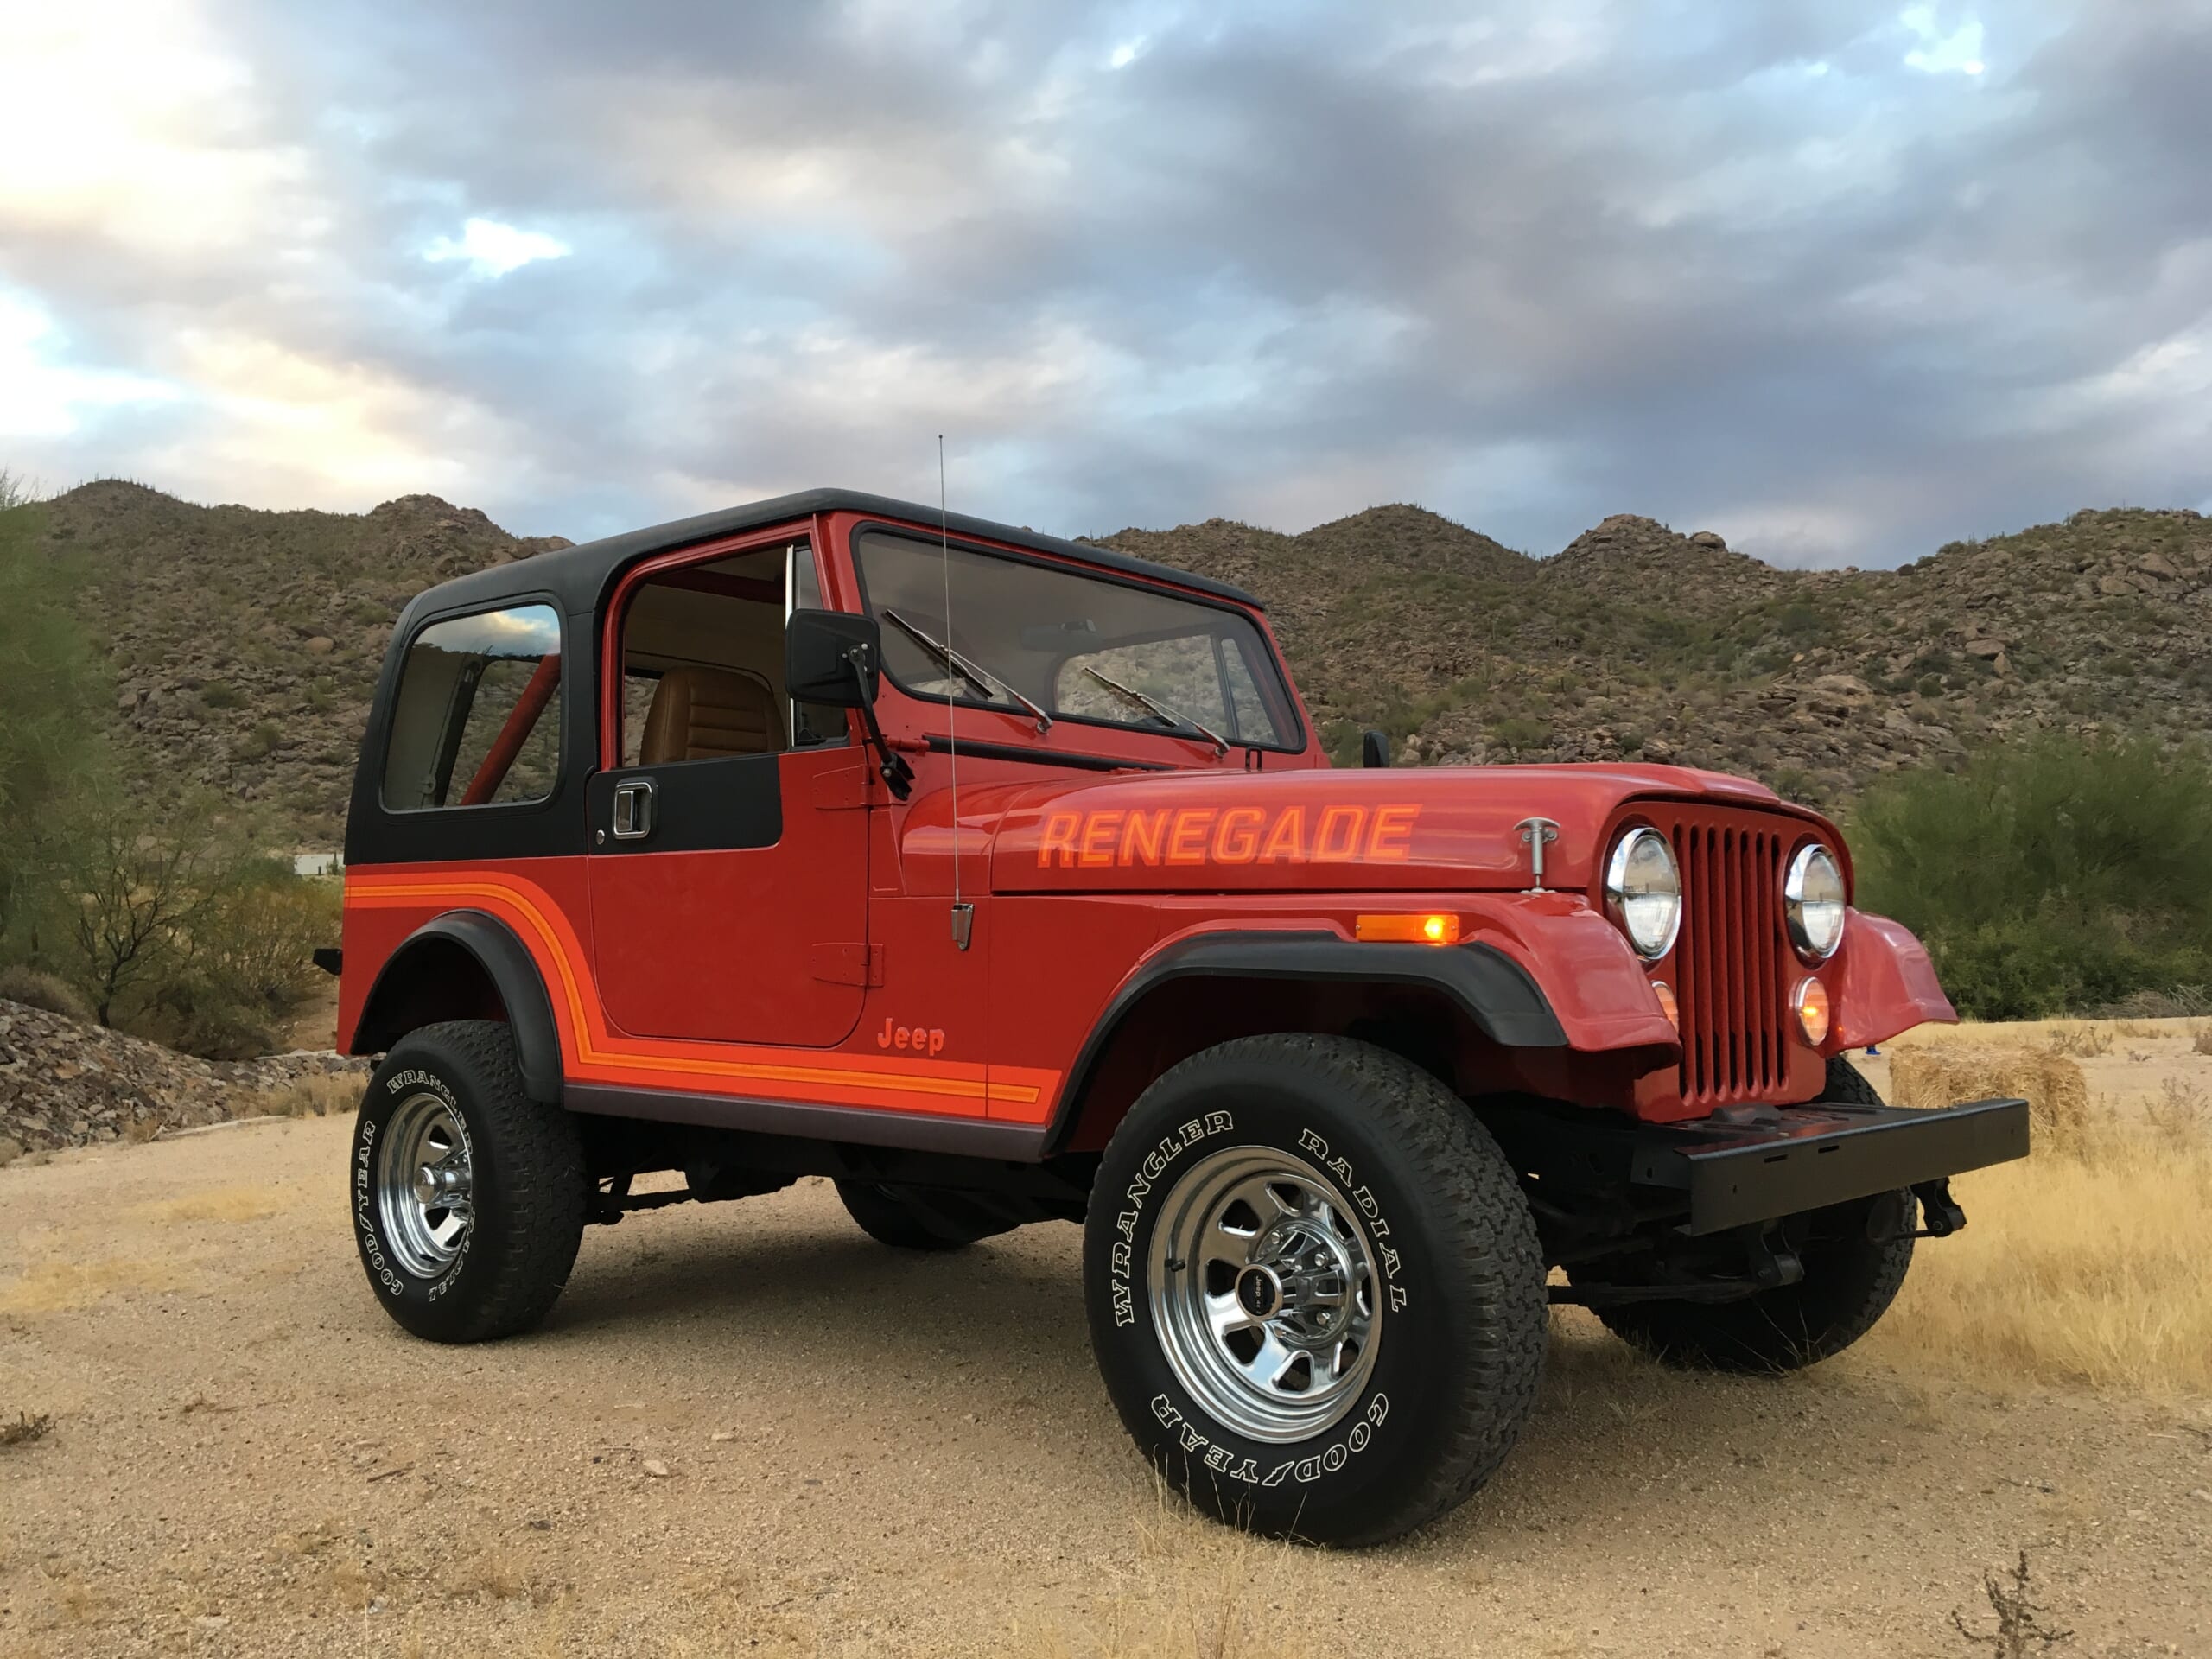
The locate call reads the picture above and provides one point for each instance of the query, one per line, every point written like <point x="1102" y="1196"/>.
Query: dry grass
<point x="2084" y="1041"/>
<point x="327" y="1094"/>
<point x="25" y="1429"/>
<point x="2083" y="1265"/>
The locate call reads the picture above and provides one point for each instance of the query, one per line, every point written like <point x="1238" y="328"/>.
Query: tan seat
<point x="705" y="714"/>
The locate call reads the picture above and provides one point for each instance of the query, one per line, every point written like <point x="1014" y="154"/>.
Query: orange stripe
<point x="593" y="1047"/>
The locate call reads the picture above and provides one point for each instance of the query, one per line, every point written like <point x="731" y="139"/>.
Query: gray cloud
<point x="1742" y="267"/>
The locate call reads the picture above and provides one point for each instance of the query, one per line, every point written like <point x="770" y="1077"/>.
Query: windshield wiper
<point x="1181" y="724"/>
<point x="975" y="673"/>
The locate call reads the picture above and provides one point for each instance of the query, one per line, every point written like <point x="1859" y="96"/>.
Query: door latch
<point x="633" y="809"/>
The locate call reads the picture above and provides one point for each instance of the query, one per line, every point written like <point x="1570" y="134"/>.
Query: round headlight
<point x="1644" y="893"/>
<point x="1812" y="897"/>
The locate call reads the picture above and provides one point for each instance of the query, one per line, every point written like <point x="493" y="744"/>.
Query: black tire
<point x="920" y="1217"/>
<point x="1453" y="1263"/>
<point x="527" y="1187"/>
<point x="1855" y="1255"/>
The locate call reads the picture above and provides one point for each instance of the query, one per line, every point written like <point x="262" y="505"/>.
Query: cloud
<point x="493" y="248"/>
<point x="1797" y="273"/>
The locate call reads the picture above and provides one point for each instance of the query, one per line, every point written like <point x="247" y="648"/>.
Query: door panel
<point x="707" y="926"/>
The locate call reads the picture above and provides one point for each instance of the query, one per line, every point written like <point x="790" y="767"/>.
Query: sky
<point x="1842" y="282"/>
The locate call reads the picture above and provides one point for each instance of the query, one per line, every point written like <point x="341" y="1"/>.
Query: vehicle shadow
<point x="1616" y="1443"/>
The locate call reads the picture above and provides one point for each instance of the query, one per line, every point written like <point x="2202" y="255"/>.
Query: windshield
<point x="1055" y="636"/>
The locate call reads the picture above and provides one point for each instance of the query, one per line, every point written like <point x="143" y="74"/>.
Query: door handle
<point x="633" y="809"/>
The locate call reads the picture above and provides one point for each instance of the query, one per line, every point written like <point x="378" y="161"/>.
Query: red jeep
<point x="1001" y="879"/>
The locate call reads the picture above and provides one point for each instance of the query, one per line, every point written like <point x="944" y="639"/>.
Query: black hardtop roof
<point x="578" y="574"/>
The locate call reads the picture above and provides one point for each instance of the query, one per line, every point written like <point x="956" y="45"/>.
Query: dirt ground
<point x="749" y="1429"/>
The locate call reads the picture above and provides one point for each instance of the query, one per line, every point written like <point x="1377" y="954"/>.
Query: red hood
<point x="1410" y="830"/>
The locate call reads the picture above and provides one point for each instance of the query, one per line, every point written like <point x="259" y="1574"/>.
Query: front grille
<point x="1732" y="961"/>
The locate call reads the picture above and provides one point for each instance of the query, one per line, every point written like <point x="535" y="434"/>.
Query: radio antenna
<point x="963" y="914"/>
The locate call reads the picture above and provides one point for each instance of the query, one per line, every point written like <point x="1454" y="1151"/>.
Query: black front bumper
<point x="1758" y="1163"/>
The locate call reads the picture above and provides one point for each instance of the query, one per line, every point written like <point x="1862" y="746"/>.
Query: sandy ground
<point x="749" y="1429"/>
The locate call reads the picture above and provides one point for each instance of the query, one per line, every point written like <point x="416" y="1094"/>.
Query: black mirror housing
<point x="821" y="649"/>
<point x="1374" y="748"/>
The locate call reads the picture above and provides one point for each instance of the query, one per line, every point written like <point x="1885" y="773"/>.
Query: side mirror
<point x="1374" y="748"/>
<point x="821" y="647"/>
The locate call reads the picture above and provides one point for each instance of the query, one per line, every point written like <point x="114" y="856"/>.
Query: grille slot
<point x="1730" y="959"/>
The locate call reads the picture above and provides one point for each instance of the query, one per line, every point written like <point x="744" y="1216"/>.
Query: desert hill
<point x="245" y="643"/>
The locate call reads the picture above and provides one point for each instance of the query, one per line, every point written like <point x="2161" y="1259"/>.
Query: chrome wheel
<point x="1263" y="1292"/>
<point x="425" y="1192"/>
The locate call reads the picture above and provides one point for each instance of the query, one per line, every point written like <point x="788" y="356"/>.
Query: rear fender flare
<point x="1494" y="990"/>
<point x="386" y="1015"/>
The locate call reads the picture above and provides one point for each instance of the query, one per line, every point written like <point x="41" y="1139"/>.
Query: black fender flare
<point x="507" y="963"/>
<point x="1501" y="996"/>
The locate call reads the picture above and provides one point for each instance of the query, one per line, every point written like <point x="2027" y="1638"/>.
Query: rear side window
<point x="477" y="721"/>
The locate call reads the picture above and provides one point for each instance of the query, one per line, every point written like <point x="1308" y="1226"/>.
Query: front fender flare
<point x="505" y="962"/>
<point x="1500" y="995"/>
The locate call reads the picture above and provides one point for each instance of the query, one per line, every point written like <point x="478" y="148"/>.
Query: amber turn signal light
<point x="1667" y="1005"/>
<point x="1810" y="1002"/>
<point x="1409" y="929"/>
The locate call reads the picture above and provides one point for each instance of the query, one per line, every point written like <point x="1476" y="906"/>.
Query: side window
<point x="477" y="720"/>
<point x="702" y="661"/>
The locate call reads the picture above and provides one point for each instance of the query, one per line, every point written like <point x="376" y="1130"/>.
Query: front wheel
<point x="1315" y="1290"/>
<point x="467" y="1196"/>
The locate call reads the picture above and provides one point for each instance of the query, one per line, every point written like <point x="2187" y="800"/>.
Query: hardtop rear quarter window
<point x="1038" y="625"/>
<point x="476" y="716"/>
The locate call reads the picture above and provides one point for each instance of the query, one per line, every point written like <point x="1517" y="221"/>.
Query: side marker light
<point x="1667" y="1005"/>
<point x="1408" y="930"/>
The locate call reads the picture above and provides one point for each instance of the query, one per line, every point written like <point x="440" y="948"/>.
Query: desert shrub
<point x="2201" y="1039"/>
<point x="2047" y="876"/>
<point x="36" y="989"/>
<point x="242" y="964"/>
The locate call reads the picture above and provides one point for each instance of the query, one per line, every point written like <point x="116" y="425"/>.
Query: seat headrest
<point x="705" y="714"/>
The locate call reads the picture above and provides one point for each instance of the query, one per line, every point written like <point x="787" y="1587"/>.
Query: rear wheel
<point x="1315" y="1291"/>
<point x="920" y="1217"/>
<point x="467" y="1196"/>
<point x="1855" y="1257"/>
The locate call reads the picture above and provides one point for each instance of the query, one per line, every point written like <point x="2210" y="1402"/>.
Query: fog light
<point x="1667" y="1005"/>
<point x="1811" y="1002"/>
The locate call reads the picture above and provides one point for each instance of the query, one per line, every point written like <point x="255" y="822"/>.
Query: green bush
<point x="2048" y="877"/>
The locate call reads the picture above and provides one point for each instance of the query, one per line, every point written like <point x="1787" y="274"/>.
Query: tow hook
<point x="1939" y="1209"/>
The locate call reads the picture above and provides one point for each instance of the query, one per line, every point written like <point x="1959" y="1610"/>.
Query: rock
<point x="321" y="645"/>
<point x="657" y="1469"/>
<point x="1707" y="538"/>
<point x="1986" y="648"/>
<point x="10" y="1149"/>
<point x="2160" y="565"/>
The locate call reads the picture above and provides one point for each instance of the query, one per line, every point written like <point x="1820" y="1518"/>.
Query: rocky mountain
<point x="245" y="643"/>
<point x="1636" y="640"/>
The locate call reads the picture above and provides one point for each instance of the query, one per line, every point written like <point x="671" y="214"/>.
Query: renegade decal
<point x="1239" y="834"/>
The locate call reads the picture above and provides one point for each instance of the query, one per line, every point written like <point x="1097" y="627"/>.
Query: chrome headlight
<point x="1644" y="891"/>
<point x="1813" y="900"/>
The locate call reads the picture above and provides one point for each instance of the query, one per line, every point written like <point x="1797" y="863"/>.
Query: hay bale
<point x="2056" y="1093"/>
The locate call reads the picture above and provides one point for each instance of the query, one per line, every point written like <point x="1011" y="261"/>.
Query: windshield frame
<point x="1294" y="714"/>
